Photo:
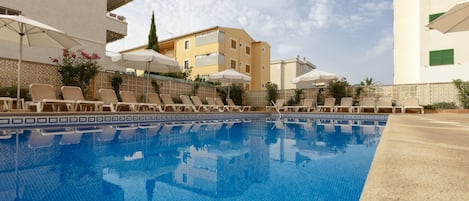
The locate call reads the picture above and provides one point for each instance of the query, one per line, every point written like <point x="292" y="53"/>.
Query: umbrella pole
<point x="148" y="81"/>
<point x="18" y="84"/>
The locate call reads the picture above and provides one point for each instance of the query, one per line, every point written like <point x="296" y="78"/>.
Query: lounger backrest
<point x="196" y="100"/>
<point x="166" y="99"/>
<point x="154" y="98"/>
<point x="308" y="102"/>
<point x="210" y="100"/>
<point x="329" y="102"/>
<point x="42" y="91"/>
<point x="128" y="97"/>
<point x="411" y="101"/>
<point x="108" y="96"/>
<point x="346" y="101"/>
<point x="219" y="102"/>
<point x="72" y="93"/>
<point x="384" y="101"/>
<point x="185" y="99"/>
<point x="280" y="102"/>
<point x="230" y="101"/>
<point x="368" y="101"/>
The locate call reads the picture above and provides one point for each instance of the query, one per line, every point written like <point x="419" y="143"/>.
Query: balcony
<point x="116" y="27"/>
<point x="114" y="4"/>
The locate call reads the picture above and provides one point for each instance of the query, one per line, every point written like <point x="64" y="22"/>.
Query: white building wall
<point x="283" y="71"/>
<point x="413" y="42"/>
<point x="84" y="19"/>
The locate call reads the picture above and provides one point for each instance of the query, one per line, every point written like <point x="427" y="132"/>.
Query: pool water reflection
<point x="259" y="159"/>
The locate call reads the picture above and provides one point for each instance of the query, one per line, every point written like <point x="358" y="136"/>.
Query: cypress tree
<point x="152" y="37"/>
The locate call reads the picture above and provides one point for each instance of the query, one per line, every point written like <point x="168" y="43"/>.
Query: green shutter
<point x="441" y="57"/>
<point x="434" y="16"/>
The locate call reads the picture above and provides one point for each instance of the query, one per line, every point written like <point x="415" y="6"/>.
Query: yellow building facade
<point x="216" y="49"/>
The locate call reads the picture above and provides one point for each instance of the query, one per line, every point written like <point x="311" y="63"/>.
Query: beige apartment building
<point x="218" y="48"/>
<point x="91" y="22"/>
<point x="422" y="55"/>
<point x="283" y="71"/>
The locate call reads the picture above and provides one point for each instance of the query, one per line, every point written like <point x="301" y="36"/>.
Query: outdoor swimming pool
<point x="235" y="159"/>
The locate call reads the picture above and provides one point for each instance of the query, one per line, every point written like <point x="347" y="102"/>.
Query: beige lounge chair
<point x="240" y="108"/>
<point x="108" y="96"/>
<point x="199" y="105"/>
<point x="329" y="103"/>
<point x="385" y="103"/>
<point x="154" y="98"/>
<point x="129" y="97"/>
<point x="74" y="93"/>
<point x="307" y="106"/>
<point x="278" y="106"/>
<point x="169" y="103"/>
<point x="211" y="101"/>
<point x="367" y="103"/>
<point x="220" y="103"/>
<point x="345" y="103"/>
<point x="187" y="101"/>
<point x="44" y="95"/>
<point x="412" y="103"/>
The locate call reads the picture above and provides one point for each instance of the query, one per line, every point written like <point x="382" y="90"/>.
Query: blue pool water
<point x="258" y="159"/>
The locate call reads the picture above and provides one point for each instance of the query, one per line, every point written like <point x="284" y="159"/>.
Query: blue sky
<point x="352" y="38"/>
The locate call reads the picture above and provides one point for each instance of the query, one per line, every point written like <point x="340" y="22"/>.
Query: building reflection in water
<point x="126" y="162"/>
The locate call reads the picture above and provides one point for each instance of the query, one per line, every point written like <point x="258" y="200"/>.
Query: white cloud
<point x="382" y="45"/>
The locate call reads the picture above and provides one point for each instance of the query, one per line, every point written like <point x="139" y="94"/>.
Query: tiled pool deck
<point x="420" y="157"/>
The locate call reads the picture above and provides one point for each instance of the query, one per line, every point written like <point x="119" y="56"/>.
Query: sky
<point x="351" y="38"/>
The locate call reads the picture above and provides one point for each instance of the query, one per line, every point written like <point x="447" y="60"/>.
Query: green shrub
<point x="463" y="95"/>
<point x="441" y="106"/>
<point x="272" y="92"/>
<point x="11" y="92"/>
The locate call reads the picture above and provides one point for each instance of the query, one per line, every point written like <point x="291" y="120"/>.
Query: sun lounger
<point x="412" y="103"/>
<point x="211" y="101"/>
<point x="6" y="103"/>
<point x="240" y="108"/>
<point x="154" y="98"/>
<point x="108" y="96"/>
<point x="307" y="106"/>
<point x="329" y="103"/>
<point x="74" y="93"/>
<point x="129" y="97"/>
<point x="199" y="105"/>
<point x="169" y="103"/>
<point x="220" y="103"/>
<point x="345" y="103"/>
<point x="385" y="103"/>
<point x="367" y="103"/>
<point x="278" y="106"/>
<point x="44" y="95"/>
<point x="187" y="101"/>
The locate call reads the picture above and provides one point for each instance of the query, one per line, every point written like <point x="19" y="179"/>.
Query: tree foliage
<point x="152" y="36"/>
<point x="463" y="92"/>
<point x="339" y="89"/>
<point x="77" y="68"/>
<point x="272" y="92"/>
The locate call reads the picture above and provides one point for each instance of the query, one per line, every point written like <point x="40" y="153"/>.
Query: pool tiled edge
<point x="24" y="120"/>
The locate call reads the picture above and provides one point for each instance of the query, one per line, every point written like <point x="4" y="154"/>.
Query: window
<point x="186" y="45"/>
<point x="248" y="68"/>
<point x="7" y="11"/>
<point x="248" y="50"/>
<point x="434" y="16"/>
<point x="233" y="64"/>
<point x="186" y="64"/>
<point x="233" y="44"/>
<point x="441" y="57"/>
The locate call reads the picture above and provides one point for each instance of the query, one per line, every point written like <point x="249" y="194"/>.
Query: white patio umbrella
<point x="314" y="76"/>
<point x="25" y="31"/>
<point x="148" y="60"/>
<point x="229" y="76"/>
<point x="454" y="20"/>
